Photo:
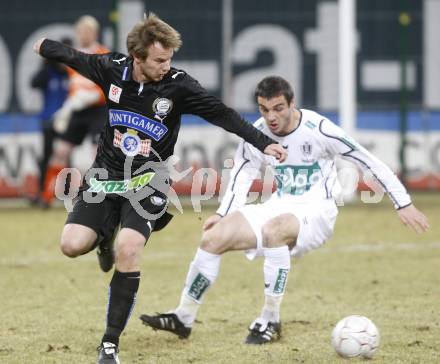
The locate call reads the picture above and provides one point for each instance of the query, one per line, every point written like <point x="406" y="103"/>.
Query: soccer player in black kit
<point x="146" y="98"/>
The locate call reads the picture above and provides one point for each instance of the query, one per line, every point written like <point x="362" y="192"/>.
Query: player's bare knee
<point x="271" y="237"/>
<point x="76" y="240"/>
<point x="128" y="250"/>
<point x="212" y="242"/>
<point x="71" y="246"/>
<point x="68" y="250"/>
<point x="280" y="231"/>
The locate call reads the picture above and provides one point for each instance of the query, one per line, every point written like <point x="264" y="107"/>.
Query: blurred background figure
<point x="51" y="79"/>
<point x="82" y="114"/>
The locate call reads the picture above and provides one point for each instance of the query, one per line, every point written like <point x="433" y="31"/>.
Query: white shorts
<point x="316" y="220"/>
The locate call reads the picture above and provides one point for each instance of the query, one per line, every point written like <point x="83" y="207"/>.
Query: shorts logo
<point x="152" y="128"/>
<point x="157" y="201"/>
<point x="123" y="186"/>
<point x="280" y="284"/>
<point x="162" y="107"/>
<point x="198" y="286"/>
<point x="114" y="93"/>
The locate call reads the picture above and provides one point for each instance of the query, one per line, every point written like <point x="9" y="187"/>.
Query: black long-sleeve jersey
<point x="146" y="116"/>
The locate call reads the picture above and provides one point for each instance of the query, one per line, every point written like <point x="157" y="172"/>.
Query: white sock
<point x="271" y="308"/>
<point x="276" y="272"/>
<point x="203" y="272"/>
<point x="187" y="309"/>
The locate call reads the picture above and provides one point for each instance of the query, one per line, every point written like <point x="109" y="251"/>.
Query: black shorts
<point x="114" y="211"/>
<point x="89" y="121"/>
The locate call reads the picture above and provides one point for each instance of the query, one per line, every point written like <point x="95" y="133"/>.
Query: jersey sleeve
<point x="338" y="143"/>
<point x="91" y="66"/>
<point x="247" y="164"/>
<point x="198" y="102"/>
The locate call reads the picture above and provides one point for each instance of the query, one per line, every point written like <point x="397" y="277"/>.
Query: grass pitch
<point x="52" y="309"/>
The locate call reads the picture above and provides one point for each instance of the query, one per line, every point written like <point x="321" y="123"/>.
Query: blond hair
<point x="88" y="21"/>
<point x="148" y="31"/>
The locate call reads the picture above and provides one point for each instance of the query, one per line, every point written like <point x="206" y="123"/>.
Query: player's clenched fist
<point x="37" y="45"/>
<point x="277" y="151"/>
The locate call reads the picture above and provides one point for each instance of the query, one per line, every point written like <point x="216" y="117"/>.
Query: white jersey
<point x="309" y="172"/>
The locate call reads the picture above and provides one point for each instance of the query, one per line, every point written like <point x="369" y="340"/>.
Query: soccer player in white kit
<point x="299" y="216"/>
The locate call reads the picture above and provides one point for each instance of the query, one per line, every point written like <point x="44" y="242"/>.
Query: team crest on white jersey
<point x="114" y="93"/>
<point x="162" y="107"/>
<point x="306" y="150"/>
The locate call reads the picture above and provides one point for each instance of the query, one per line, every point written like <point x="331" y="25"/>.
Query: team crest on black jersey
<point x="162" y="107"/>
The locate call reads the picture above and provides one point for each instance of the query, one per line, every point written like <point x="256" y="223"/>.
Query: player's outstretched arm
<point x="277" y="151"/>
<point x="411" y="216"/>
<point x="91" y="66"/>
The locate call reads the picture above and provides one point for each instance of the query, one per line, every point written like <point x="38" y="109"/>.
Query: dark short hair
<point x="273" y="86"/>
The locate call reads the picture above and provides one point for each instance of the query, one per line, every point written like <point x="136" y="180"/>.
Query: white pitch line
<point x="90" y="257"/>
<point x="150" y="256"/>
<point x="376" y="247"/>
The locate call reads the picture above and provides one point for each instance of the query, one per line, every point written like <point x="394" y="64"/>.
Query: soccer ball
<point x="355" y="336"/>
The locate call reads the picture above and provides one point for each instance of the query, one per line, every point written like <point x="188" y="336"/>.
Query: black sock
<point x="122" y="297"/>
